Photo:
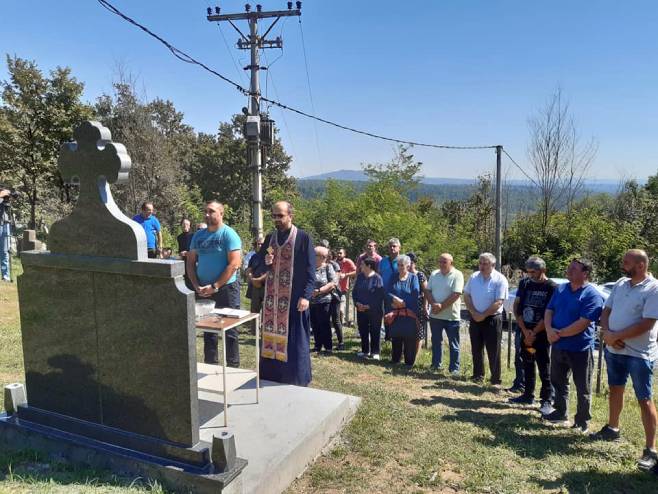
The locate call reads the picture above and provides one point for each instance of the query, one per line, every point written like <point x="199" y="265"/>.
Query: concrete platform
<point x="280" y="436"/>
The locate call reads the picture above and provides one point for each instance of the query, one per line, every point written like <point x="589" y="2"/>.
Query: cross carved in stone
<point x="96" y="227"/>
<point x="93" y="155"/>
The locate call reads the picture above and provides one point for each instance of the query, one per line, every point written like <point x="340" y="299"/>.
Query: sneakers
<point x="455" y="373"/>
<point x="555" y="417"/>
<point x="607" y="433"/>
<point x="477" y="379"/>
<point x="515" y="389"/>
<point x="649" y="460"/>
<point x="580" y="428"/>
<point x="360" y="354"/>
<point x="341" y="346"/>
<point x="375" y="356"/>
<point x="546" y="407"/>
<point x="522" y="400"/>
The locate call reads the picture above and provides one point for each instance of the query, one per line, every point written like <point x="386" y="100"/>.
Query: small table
<point x="214" y="323"/>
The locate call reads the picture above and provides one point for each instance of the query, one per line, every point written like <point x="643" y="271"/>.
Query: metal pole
<point x="600" y="364"/>
<point x="509" y="341"/>
<point x="499" y="257"/>
<point x="254" y="144"/>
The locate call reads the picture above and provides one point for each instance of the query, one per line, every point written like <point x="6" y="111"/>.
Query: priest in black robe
<point x="289" y="257"/>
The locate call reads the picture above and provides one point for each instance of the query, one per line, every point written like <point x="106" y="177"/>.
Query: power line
<point x="310" y="92"/>
<point x="235" y="64"/>
<point x="520" y="168"/>
<point x="184" y="57"/>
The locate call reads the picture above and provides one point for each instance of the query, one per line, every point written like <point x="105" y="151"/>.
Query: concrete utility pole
<point x="499" y="224"/>
<point x="256" y="131"/>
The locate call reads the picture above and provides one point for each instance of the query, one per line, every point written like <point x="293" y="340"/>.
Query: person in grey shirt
<point x="629" y="329"/>
<point x="484" y="295"/>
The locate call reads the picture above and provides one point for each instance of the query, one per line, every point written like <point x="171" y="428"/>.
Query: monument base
<point x="18" y="434"/>
<point x="280" y="436"/>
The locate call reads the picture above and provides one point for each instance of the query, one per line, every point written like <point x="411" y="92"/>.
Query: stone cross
<point x="97" y="227"/>
<point x="93" y="157"/>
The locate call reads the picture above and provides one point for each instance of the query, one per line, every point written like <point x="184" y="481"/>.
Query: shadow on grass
<point x="522" y="433"/>
<point x="460" y="385"/>
<point x="461" y="403"/>
<point x="352" y="347"/>
<point x="608" y="482"/>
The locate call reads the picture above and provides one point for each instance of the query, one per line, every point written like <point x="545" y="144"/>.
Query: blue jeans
<point x="452" y="330"/>
<point x="4" y="251"/>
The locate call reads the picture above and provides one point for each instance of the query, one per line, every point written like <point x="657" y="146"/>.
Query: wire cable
<point x="520" y="168"/>
<point x="184" y="57"/>
<point x="310" y="92"/>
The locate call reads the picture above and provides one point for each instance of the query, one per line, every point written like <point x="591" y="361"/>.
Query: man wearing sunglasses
<point x="289" y="258"/>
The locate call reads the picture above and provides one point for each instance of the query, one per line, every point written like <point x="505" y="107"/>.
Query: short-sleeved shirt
<point x="630" y="304"/>
<point x="442" y="286"/>
<point x="387" y="268"/>
<point x="212" y="249"/>
<point x="346" y="266"/>
<point x="568" y="306"/>
<point x="151" y="226"/>
<point x="323" y="275"/>
<point x="533" y="298"/>
<point x="485" y="291"/>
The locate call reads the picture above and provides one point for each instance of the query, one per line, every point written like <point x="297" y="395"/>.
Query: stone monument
<point x="109" y="341"/>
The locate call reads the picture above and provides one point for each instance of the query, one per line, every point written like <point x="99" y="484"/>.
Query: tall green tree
<point x="161" y="147"/>
<point x="219" y="168"/>
<point x="37" y="114"/>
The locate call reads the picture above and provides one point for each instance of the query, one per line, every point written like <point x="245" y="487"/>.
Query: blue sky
<point x="447" y="72"/>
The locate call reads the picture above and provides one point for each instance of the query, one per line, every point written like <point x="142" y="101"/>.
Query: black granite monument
<point x="109" y="341"/>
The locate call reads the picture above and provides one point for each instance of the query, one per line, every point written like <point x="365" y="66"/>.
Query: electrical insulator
<point x="209" y="10"/>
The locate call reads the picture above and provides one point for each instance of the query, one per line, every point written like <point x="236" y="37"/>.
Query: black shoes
<point x="607" y="433"/>
<point x="649" y="460"/>
<point x="555" y="417"/>
<point x="522" y="400"/>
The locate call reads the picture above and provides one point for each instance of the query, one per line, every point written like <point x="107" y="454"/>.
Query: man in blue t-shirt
<point x="570" y="321"/>
<point x="152" y="228"/>
<point x="212" y="263"/>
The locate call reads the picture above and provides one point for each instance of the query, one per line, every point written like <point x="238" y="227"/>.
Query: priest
<point x="289" y="256"/>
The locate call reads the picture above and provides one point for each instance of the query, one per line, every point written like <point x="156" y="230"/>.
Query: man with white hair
<point x="628" y="326"/>
<point x="484" y="295"/>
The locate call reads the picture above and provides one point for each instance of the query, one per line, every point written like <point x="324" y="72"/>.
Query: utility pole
<point x="499" y="227"/>
<point x="257" y="131"/>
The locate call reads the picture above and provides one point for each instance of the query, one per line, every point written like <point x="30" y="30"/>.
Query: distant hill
<point x="607" y="186"/>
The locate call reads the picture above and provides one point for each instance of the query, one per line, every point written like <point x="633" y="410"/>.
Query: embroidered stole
<point x="278" y="291"/>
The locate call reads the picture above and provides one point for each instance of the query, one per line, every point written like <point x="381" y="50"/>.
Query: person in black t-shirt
<point x="184" y="240"/>
<point x="532" y="297"/>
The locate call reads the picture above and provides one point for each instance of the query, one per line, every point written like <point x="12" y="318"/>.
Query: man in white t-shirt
<point x="484" y="295"/>
<point x="628" y="326"/>
<point x="443" y="292"/>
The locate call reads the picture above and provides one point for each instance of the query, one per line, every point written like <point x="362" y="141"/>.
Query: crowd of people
<point x="301" y="289"/>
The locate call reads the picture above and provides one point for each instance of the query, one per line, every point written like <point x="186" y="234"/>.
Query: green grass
<point x="415" y="431"/>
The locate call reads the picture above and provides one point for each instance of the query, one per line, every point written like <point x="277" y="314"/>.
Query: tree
<point x="219" y="168"/>
<point x="161" y="148"/>
<point x="559" y="159"/>
<point x="401" y="172"/>
<point x="37" y="114"/>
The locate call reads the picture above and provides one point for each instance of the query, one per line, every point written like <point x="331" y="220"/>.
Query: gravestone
<point x="109" y="338"/>
<point x="29" y="241"/>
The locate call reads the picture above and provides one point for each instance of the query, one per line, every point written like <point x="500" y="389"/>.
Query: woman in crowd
<point x="403" y="293"/>
<point x="422" y="302"/>
<point x="368" y="296"/>
<point x="325" y="281"/>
